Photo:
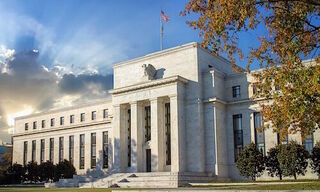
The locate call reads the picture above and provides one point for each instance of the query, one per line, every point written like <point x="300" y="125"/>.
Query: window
<point x="43" y="123"/>
<point x="93" y="150"/>
<point x="284" y="139"/>
<point x="129" y="138"/>
<point x="71" y="148"/>
<point x="236" y="91"/>
<point x="60" y="149"/>
<point x="93" y="115"/>
<point x="51" y="151"/>
<point x="42" y="147"/>
<point x="147" y="128"/>
<point x="25" y="153"/>
<point x="33" y="151"/>
<point x="34" y="125"/>
<point x="259" y="135"/>
<point x="82" y="117"/>
<point x="26" y="126"/>
<point x="71" y="119"/>
<point x="238" y="135"/>
<point x="168" y="133"/>
<point x="105" y="149"/>
<point x="81" y="165"/>
<point x="61" y="120"/>
<point x="52" y="122"/>
<point x="308" y="143"/>
<point x="105" y="113"/>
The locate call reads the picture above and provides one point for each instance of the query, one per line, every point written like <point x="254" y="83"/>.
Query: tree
<point x="315" y="159"/>
<point x="65" y="169"/>
<point x="32" y="173"/>
<point x="250" y="162"/>
<point x="272" y="163"/>
<point x="5" y="162"/>
<point x="14" y="174"/>
<point x="293" y="159"/>
<point x="289" y="33"/>
<point x="47" y="171"/>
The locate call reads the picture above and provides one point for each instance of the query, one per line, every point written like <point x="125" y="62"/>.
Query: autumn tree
<point x="290" y="34"/>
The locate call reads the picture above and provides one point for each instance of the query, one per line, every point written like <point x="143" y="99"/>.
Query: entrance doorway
<point x="148" y="160"/>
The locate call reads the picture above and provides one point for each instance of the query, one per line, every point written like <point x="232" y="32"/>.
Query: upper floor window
<point x="105" y="113"/>
<point x="26" y="126"/>
<point x="236" y="91"/>
<point x="93" y="115"/>
<point x="34" y="125"/>
<point x="259" y="134"/>
<point x="71" y="119"/>
<point x="52" y="122"/>
<point x="43" y="123"/>
<point x="61" y="120"/>
<point x="82" y="117"/>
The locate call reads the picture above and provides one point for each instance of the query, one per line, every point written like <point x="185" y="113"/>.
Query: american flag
<point x="164" y="16"/>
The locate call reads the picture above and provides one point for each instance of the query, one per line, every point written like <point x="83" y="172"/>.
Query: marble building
<point x="182" y="111"/>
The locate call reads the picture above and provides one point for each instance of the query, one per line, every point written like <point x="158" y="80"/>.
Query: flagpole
<point x="161" y="34"/>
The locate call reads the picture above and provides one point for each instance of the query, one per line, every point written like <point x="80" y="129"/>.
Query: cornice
<point x="148" y="84"/>
<point x="45" y="130"/>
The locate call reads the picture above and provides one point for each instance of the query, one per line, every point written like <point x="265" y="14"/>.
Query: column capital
<point x="116" y="105"/>
<point x="173" y="96"/>
<point x="153" y="99"/>
<point x="133" y="103"/>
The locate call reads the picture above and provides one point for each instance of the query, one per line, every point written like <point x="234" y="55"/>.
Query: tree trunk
<point x="280" y="176"/>
<point x="295" y="176"/>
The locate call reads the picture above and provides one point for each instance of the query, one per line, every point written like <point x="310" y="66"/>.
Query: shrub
<point x="293" y="159"/>
<point x="64" y="169"/>
<point x="47" y="171"/>
<point x="315" y="159"/>
<point x="250" y="162"/>
<point x="33" y="173"/>
<point x="14" y="174"/>
<point x="272" y="163"/>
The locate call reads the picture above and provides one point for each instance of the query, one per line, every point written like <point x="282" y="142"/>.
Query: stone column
<point x="116" y="136"/>
<point x="157" y="135"/>
<point x="177" y="134"/>
<point x="252" y="131"/>
<point x="136" y="137"/>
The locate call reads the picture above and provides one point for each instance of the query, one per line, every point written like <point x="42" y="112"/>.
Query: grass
<point x="38" y="189"/>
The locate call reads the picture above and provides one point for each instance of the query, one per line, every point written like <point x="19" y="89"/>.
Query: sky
<point x="55" y="54"/>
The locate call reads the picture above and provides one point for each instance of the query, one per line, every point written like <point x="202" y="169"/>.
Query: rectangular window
<point x="238" y="135"/>
<point x="26" y="126"/>
<point x="33" y="151"/>
<point x="51" y="149"/>
<point x="34" y="125"/>
<point x="236" y="91"/>
<point x="105" y="149"/>
<point x="25" y="153"/>
<point x="147" y="128"/>
<point x="93" y="115"/>
<point x="82" y="142"/>
<point x="60" y="149"/>
<point x="308" y="143"/>
<point x="71" y="149"/>
<point x="42" y="147"/>
<point x="93" y="150"/>
<point x="259" y="135"/>
<point x="71" y="119"/>
<point x="105" y="113"/>
<point x="61" y="120"/>
<point x="284" y="139"/>
<point x="82" y="117"/>
<point x="168" y="133"/>
<point x="129" y="138"/>
<point x="52" y="122"/>
<point x="43" y="123"/>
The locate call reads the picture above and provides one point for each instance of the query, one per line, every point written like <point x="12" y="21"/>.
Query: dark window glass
<point x="82" y="117"/>
<point x="238" y="135"/>
<point x="34" y="125"/>
<point x="42" y="147"/>
<point x="71" y="119"/>
<point x="129" y="138"/>
<point x="71" y="149"/>
<point x="43" y="123"/>
<point x="61" y="149"/>
<point x="93" y="150"/>
<point x="33" y="151"/>
<point x="25" y="153"/>
<point x="236" y="91"/>
<point x="51" y="151"/>
<point x="82" y="142"/>
<point x="168" y="133"/>
<point x="105" y="113"/>
<point x="26" y="126"/>
<point x="147" y="129"/>
<point x="93" y="115"/>
<point x="259" y="135"/>
<point x="105" y="149"/>
<point x="52" y="122"/>
<point x="61" y="120"/>
<point x="308" y="142"/>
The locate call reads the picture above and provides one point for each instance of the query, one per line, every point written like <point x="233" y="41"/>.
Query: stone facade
<point x="171" y="111"/>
